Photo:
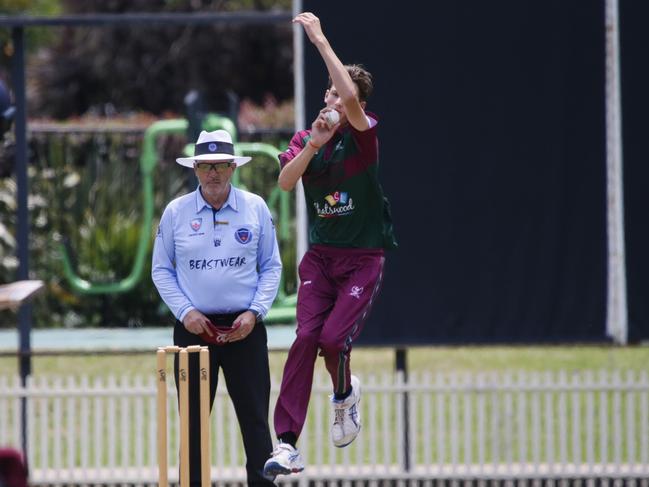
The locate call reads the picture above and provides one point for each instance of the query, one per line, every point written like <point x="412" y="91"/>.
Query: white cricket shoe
<point x="347" y="416"/>
<point x="284" y="460"/>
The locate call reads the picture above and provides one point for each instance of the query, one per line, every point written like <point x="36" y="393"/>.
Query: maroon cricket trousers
<point x="337" y="289"/>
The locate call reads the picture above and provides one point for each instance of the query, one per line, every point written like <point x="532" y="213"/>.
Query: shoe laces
<point x="340" y="415"/>
<point x="341" y="404"/>
<point x="281" y="447"/>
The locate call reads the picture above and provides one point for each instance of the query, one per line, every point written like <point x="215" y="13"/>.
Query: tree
<point x="123" y="69"/>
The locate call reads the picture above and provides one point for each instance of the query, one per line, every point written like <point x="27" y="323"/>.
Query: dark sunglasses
<point x="218" y="167"/>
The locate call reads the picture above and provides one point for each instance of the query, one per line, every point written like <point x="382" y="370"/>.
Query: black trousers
<point x="247" y="377"/>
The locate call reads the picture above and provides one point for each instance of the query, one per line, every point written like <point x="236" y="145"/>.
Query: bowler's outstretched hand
<point x="311" y="25"/>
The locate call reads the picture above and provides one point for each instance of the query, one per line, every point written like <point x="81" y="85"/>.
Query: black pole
<point x="233" y="110"/>
<point x="401" y="364"/>
<point x="20" y="131"/>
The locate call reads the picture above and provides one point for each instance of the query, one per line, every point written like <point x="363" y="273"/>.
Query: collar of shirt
<point x="231" y="201"/>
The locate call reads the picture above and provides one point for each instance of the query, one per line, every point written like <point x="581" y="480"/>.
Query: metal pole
<point x="401" y="365"/>
<point x="301" y="223"/>
<point x="20" y="130"/>
<point x="616" y="302"/>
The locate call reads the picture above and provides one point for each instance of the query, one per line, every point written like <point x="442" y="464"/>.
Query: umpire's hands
<point x="196" y="322"/>
<point x="243" y="325"/>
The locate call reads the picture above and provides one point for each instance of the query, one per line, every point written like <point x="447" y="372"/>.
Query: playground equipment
<point x="283" y="310"/>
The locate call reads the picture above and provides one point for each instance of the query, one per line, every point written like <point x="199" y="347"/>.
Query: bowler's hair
<point x="363" y="79"/>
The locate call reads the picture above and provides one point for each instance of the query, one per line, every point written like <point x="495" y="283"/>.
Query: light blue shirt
<point x="216" y="261"/>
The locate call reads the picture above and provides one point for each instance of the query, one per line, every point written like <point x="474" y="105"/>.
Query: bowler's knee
<point x="306" y="338"/>
<point x="331" y="345"/>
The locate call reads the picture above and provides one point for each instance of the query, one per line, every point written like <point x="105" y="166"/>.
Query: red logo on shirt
<point x="196" y="224"/>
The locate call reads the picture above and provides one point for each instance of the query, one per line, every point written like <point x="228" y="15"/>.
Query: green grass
<point x="376" y="360"/>
<point x="550" y="358"/>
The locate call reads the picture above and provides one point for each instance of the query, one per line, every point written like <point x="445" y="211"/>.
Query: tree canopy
<point x="106" y="70"/>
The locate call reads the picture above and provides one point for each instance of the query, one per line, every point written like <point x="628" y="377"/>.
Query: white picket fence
<point x="499" y="426"/>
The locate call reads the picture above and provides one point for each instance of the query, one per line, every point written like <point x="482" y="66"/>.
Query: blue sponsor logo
<point x="212" y="264"/>
<point x="243" y="235"/>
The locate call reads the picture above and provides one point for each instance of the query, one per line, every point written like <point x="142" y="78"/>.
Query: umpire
<point x="216" y="265"/>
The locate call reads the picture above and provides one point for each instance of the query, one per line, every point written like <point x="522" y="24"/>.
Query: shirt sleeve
<point x="163" y="268"/>
<point x="295" y="146"/>
<point x="268" y="262"/>
<point x="367" y="141"/>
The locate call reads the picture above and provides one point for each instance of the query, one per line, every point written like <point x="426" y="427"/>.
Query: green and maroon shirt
<point x="345" y="202"/>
